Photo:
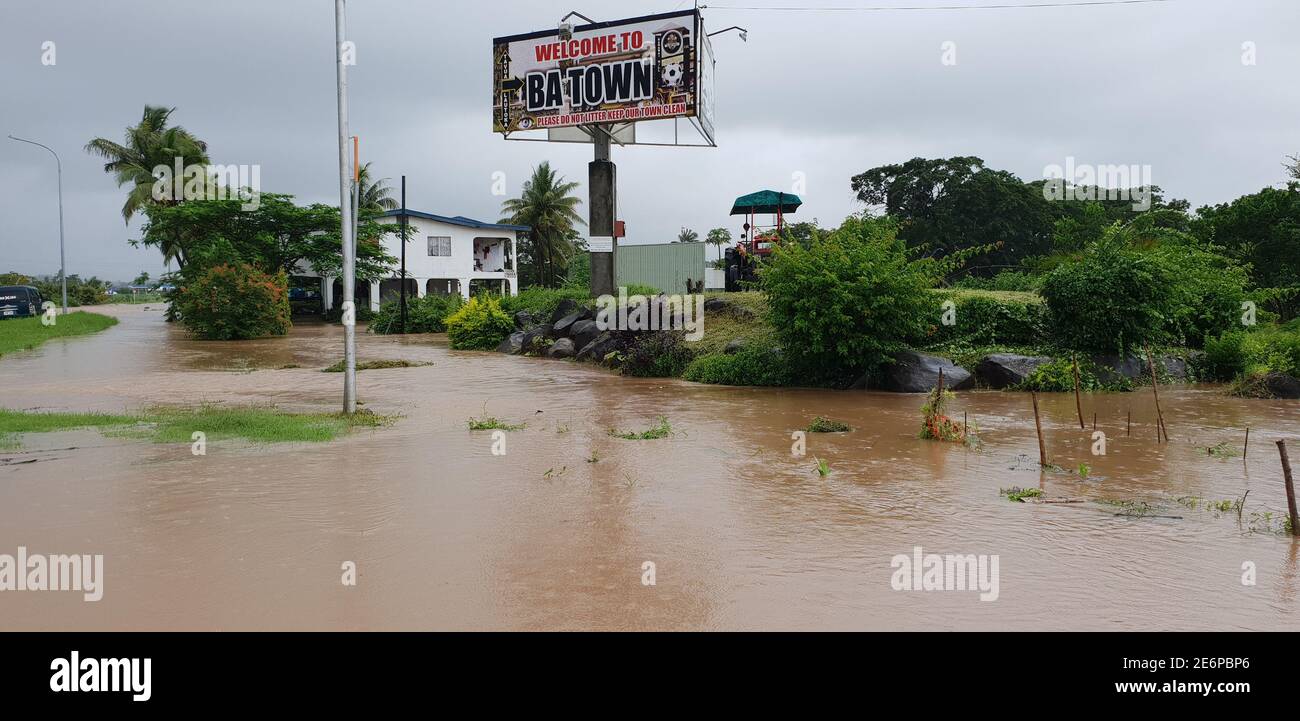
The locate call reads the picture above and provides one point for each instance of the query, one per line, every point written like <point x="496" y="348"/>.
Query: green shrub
<point x="664" y="354"/>
<point x="1111" y="299"/>
<point x="423" y="315"/>
<point x="1239" y="354"/>
<point x="847" y="302"/>
<point x="747" y="367"/>
<point x="1058" y="377"/>
<point x="234" y="302"/>
<point x="990" y="319"/>
<point x="335" y="314"/>
<point x="542" y="302"/>
<point x="479" y="324"/>
<point x="640" y="289"/>
<point x="1004" y="280"/>
<point x="1208" y="291"/>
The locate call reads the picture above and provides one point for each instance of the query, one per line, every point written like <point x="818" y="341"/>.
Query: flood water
<point x="742" y="534"/>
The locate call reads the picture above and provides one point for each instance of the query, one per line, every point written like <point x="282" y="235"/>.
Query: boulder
<point x="735" y="345"/>
<point x="566" y="306"/>
<point x="600" y="346"/>
<point x="913" y="372"/>
<point x="1175" y="367"/>
<point x="1112" y="367"/>
<point x="561" y="348"/>
<point x="583" y="332"/>
<point x="716" y="305"/>
<point x="512" y="344"/>
<point x="523" y="319"/>
<point x="1281" y="385"/>
<point x="1003" y="370"/>
<point x="561" y="327"/>
<point x="533" y="336"/>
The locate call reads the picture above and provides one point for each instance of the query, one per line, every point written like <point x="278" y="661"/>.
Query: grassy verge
<point x="178" y="425"/>
<point x="26" y="333"/>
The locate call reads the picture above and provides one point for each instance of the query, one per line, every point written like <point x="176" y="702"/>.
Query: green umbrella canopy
<point x="766" y="201"/>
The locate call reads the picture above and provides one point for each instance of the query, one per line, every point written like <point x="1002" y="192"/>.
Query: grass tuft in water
<point x="1016" y="494"/>
<point x="660" y="430"/>
<point x="821" y="424"/>
<point x="489" y="423"/>
<point x="375" y="365"/>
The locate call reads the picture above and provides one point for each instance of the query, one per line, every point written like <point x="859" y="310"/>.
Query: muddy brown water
<point x="743" y="535"/>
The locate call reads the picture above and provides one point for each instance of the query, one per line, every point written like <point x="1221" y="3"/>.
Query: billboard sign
<point x="623" y="71"/>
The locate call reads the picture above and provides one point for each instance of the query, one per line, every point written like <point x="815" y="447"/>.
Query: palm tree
<point x="718" y="237"/>
<point x="546" y="206"/>
<point x="147" y="145"/>
<point x="376" y="196"/>
<point x="687" y="236"/>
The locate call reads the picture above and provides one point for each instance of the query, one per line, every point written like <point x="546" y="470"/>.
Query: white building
<point x="444" y="256"/>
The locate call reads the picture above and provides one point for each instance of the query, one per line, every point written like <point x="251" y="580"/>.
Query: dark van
<point x="19" y="301"/>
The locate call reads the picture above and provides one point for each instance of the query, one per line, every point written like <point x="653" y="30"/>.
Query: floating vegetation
<point x="822" y="468"/>
<point x="375" y="365"/>
<point x="595" y="457"/>
<point x="1016" y="494"/>
<point x="552" y="473"/>
<point x="1084" y="469"/>
<point x="488" y="423"/>
<point x="934" y="424"/>
<point x="821" y="424"/>
<point x="1223" y="450"/>
<point x="1136" y="509"/>
<point x="660" y="430"/>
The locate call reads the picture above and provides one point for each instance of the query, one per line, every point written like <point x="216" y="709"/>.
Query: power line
<point x="886" y="8"/>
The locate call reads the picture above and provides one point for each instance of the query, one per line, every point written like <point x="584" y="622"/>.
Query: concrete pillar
<point x="327" y="293"/>
<point x="374" y="296"/>
<point x="464" y="287"/>
<point x="602" y="180"/>
<point x="420" y="288"/>
<point x="514" y="285"/>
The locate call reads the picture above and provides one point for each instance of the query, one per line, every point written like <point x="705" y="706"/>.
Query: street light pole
<point x="345" y="216"/>
<point x="63" y="269"/>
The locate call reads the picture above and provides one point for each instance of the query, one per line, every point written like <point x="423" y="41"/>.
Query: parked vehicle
<point x="19" y="301"/>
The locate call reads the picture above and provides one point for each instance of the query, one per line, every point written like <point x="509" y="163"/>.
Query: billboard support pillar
<point x="602" y="177"/>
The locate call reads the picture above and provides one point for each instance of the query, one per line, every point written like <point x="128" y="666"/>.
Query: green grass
<point x="178" y="425"/>
<point x="1016" y="494"/>
<point x="26" y="333"/>
<point x="1013" y="296"/>
<point x="821" y="424"/>
<point x="375" y="365"/>
<point x="488" y="423"/>
<point x="721" y="328"/>
<point x="660" y="430"/>
<point x="125" y="298"/>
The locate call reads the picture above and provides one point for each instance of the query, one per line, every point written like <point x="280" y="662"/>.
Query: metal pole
<point x="345" y="216"/>
<point x="403" y="301"/>
<point x="63" y="268"/>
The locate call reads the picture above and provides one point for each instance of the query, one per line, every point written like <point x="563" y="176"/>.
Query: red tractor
<point x="757" y="241"/>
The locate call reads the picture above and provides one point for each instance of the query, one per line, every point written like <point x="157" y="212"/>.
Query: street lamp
<point x="744" y="34"/>
<point x="63" y="270"/>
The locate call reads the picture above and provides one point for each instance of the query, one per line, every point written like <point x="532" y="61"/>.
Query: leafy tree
<point x="276" y="236"/>
<point x="148" y="144"/>
<point x="686" y="235"/>
<point x="1262" y="232"/>
<point x="13" y="278"/>
<point x="141" y="279"/>
<point x="547" y="207"/>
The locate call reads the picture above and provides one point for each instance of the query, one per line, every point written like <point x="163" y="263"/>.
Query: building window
<point x="440" y="246"/>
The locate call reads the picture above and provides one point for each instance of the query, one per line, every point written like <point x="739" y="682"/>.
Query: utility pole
<point x="345" y="216"/>
<point x="403" y="301"/>
<point x="602" y="179"/>
<point x="63" y="268"/>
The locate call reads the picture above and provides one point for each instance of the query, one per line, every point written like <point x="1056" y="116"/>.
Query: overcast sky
<point x="825" y="94"/>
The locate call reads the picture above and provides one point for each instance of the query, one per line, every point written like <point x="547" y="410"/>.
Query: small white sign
<point x="600" y="244"/>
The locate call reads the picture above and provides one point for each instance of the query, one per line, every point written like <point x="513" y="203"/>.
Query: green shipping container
<point x="666" y="266"/>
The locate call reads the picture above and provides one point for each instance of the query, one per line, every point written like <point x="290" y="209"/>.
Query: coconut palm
<point x="374" y="196"/>
<point x="547" y="207"/>
<point x="687" y="236"/>
<point x="718" y="237"/>
<point x="147" y="145"/>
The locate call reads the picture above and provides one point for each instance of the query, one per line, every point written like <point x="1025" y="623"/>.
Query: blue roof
<point x="457" y="220"/>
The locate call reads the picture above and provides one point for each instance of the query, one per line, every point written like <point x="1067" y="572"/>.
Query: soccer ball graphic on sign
<point x="672" y="74"/>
